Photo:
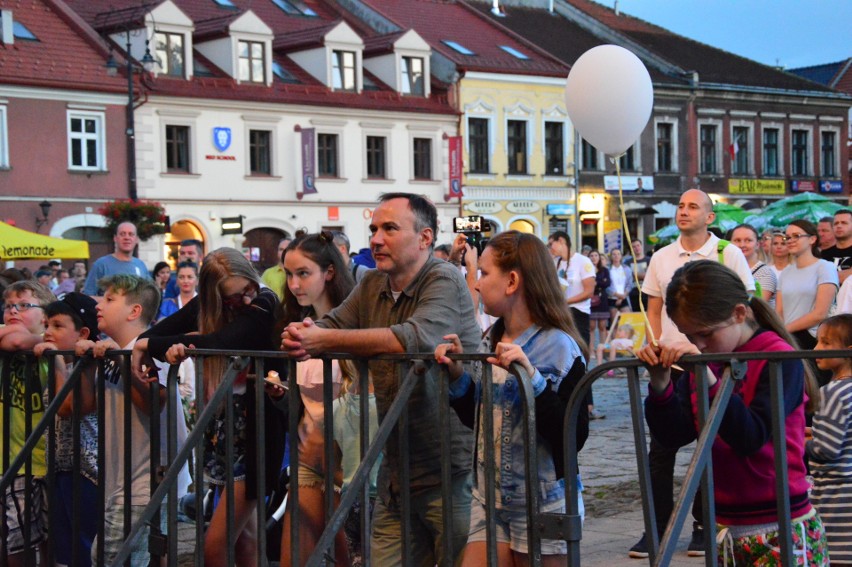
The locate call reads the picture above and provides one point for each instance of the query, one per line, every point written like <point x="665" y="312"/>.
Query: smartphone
<point x="467" y="224"/>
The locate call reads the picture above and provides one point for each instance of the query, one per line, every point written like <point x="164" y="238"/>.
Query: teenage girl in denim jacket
<point x="534" y="329"/>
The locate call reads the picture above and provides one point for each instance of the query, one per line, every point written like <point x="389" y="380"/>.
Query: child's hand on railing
<point x="507" y="353"/>
<point x="41" y="348"/>
<point x="177" y="353"/>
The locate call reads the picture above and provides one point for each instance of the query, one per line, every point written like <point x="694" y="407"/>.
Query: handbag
<point x="596" y="300"/>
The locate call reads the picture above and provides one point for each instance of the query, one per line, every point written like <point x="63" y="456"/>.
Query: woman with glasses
<point x="744" y="237"/>
<point x="233" y="311"/>
<point x="807" y="287"/>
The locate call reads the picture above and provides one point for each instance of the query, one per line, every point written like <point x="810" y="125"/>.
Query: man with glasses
<point x="841" y="253"/>
<point x="23" y="316"/>
<point x="408" y="304"/>
<point x="122" y="261"/>
<point x="696" y="242"/>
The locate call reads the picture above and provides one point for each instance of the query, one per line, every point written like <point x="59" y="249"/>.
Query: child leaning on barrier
<point x="23" y="316"/>
<point x="128" y="306"/>
<point x="73" y="318"/>
<point x="830" y="447"/>
<point x="534" y="329"/>
<point x="709" y="304"/>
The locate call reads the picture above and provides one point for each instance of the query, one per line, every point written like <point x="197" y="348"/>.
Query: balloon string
<point x="650" y="331"/>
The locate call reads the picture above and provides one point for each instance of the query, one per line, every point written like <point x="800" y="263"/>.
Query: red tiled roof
<point x="303" y="39"/>
<point x="64" y="56"/>
<point x="214" y="28"/>
<point x="381" y="43"/>
<point x="712" y="64"/>
<point x="438" y="20"/>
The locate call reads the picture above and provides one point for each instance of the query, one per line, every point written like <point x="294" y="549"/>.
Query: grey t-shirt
<point x="109" y="265"/>
<point x="436" y="303"/>
<point x="798" y="288"/>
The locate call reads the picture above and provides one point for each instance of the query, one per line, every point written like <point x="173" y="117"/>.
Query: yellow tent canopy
<point x="18" y="244"/>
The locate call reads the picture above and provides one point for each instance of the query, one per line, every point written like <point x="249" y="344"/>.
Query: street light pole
<point x="131" y="124"/>
<point x="148" y="64"/>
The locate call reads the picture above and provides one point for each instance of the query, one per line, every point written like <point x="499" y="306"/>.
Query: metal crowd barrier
<point x="409" y="369"/>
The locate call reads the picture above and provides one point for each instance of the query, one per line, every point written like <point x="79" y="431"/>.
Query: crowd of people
<point x="542" y="307"/>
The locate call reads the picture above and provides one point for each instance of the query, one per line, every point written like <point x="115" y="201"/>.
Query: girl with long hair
<point x="710" y="305"/>
<point x="779" y="255"/>
<point x="233" y="311"/>
<point x="535" y="329"/>
<point x="807" y="287"/>
<point x="317" y="282"/>
<point x="745" y="238"/>
<point x="621" y="277"/>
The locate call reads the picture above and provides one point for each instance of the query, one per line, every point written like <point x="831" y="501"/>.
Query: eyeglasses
<point x="795" y="237"/>
<point x="21" y="307"/>
<point x="237" y="298"/>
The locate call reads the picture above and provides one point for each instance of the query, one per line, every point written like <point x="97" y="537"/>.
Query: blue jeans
<point x="425" y="525"/>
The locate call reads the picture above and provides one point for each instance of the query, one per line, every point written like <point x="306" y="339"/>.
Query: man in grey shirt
<point x="408" y="304"/>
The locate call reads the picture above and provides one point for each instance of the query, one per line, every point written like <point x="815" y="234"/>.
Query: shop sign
<point x="483" y="207"/>
<point x="522" y="207"/>
<point x="333" y="213"/>
<point x="830" y="186"/>
<point x="630" y="183"/>
<point x="803" y="185"/>
<point x="756" y="187"/>
<point x="560" y="209"/>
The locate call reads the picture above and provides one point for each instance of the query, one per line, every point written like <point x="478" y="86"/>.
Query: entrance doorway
<point x="265" y="240"/>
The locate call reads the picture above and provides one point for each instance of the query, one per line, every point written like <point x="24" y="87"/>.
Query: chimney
<point x="495" y="8"/>
<point x="7" y="28"/>
<point x="615" y="7"/>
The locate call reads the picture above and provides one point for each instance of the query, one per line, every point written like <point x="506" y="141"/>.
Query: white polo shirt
<point x="666" y="261"/>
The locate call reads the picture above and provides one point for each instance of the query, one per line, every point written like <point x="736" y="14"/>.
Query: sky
<point x="789" y="33"/>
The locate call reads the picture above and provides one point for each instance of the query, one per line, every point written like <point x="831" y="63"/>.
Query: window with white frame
<point x="422" y="167"/>
<point x="343" y="71"/>
<point x="377" y="157"/>
<point x="799" y="152"/>
<point x="590" y="156"/>
<point x="412" y="76"/>
<point x="740" y="137"/>
<point x="86" y="141"/>
<point x="260" y="152"/>
<point x="4" y="139"/>
<point x="177" y="148"/>
<point x="665" y="130"/>
<point x="554" y="148"/>
<point x="772" y="152"/>
<point x="516" y="146"/>
<point x="478" y="150"/>
<point x="828" y="153"/>
<point x="708" y="158"/>
<point x="627" y="161"/>
<point x="168" y="50"/>
<point x="327" y="155"/>
<point x="252" y="61"/>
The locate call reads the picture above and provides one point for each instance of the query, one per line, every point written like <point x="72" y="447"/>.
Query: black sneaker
<point x="696" y="544"/>
<point x="640" y="550"/>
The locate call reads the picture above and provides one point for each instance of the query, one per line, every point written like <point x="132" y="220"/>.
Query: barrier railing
<point x="410" y="368"/>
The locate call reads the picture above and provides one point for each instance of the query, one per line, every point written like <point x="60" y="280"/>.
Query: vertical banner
<point x="308" y="162"/>
<point x="455" y="148"/>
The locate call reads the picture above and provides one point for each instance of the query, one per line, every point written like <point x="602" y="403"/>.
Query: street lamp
<point x="148" y="65"/>
<point x="45" y="211"/>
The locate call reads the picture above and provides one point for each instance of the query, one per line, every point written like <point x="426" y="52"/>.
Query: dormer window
<point x="344" y="72"/>
<point x="252" y="61"/>
<point x="412" y="76"/>
<point x="169" y="53"/>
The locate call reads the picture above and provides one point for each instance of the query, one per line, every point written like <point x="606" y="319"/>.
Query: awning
<point x="18" y="244"/>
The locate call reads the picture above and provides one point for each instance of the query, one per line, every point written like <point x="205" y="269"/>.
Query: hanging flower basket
<point x="148" y="216"/>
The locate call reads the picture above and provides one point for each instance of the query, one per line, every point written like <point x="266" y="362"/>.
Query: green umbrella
<point x="807" y="206"/>
<point x="665" y="235"/>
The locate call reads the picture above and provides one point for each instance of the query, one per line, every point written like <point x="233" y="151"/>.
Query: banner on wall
<point x="308" y="162"/>
<point x="455" y="149"/>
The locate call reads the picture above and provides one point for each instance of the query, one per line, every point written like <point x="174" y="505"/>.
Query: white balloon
<point x="609" y="98"/>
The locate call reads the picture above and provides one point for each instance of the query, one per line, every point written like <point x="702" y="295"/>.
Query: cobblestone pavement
<point x="609" y="472"/>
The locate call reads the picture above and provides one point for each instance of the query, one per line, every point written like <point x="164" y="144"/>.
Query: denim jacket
<point x="553" y="354"/>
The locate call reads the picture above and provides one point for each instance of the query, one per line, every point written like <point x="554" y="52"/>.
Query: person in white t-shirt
<point x="576" y="275"/>
<point x="696" y="242"/>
